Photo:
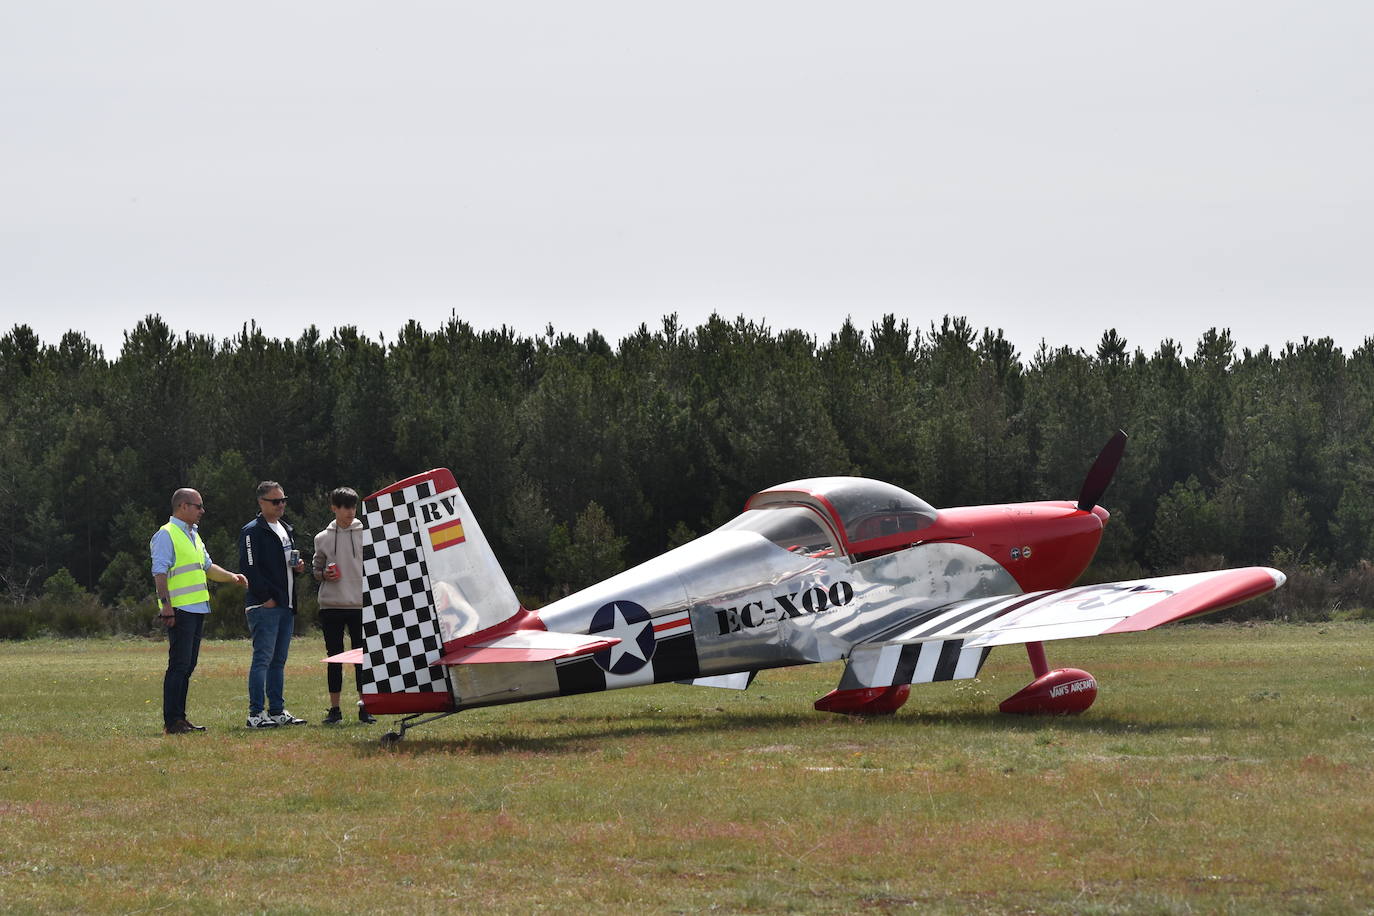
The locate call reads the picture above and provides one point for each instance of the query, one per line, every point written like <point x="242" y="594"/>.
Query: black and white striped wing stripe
<point x="951" y="642"/>
<point x="930" y="647"/>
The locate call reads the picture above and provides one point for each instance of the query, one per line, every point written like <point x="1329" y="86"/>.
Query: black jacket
<point x="263" y="561"/>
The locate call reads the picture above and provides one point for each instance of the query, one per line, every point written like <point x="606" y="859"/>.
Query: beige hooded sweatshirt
<point x="343" y="546"/>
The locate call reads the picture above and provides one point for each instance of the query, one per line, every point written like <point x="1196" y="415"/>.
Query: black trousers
<point x="183" y="650"/>
<point x="333" y="621"/>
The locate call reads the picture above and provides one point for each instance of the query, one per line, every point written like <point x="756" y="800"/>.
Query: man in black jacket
<point x="268" y="557"/>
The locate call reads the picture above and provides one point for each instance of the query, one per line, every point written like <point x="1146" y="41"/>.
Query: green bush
<point x="16" y="621"/>
<point x="83" y="616"/>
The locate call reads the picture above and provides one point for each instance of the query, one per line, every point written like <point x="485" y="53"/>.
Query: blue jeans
<point x="183" y="649"/>
<point x="271" y="629"/>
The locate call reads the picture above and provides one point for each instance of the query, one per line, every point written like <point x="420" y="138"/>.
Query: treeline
<point x="580" y="457"/>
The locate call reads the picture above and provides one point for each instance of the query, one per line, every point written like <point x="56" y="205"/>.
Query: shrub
<point x="1310" y="593"/>
<point x="16" y="621"/>
<point x="81" y="616"/>
<point x="67" y="609"/>
<point x="1355" y="591"/>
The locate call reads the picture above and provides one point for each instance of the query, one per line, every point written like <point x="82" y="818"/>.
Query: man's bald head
<point x="187" y="505"/>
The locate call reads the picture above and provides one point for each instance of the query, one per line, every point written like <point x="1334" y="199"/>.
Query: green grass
<point x="1223" y="769"/>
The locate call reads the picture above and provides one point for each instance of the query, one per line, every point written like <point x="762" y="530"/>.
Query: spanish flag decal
<point x="447" y="534"/>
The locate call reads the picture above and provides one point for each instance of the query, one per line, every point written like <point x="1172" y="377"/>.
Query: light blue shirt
<point x="165" y="557"/>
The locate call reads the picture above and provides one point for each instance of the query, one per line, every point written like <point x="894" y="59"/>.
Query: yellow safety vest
<point x="186" y="579"/>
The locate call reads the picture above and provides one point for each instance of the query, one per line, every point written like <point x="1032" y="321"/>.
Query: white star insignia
<point x="628" y="634"/>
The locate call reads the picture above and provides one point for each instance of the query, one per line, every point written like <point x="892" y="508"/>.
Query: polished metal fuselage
<point x="755" y="605"/>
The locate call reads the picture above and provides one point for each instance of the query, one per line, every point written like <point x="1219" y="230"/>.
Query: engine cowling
<point x="1061" y="692"/>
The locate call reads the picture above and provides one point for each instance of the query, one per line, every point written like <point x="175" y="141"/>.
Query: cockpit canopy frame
<point x="865" y="517"/>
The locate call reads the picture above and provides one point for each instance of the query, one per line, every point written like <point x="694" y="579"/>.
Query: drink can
<point x="332" y="570"/>
<point x="295" y="559"/>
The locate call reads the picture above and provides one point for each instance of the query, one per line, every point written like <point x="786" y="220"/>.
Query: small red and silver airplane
<point x="819" y="570"/>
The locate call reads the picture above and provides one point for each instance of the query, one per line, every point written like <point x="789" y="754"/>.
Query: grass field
<point x="1223" y="769"/>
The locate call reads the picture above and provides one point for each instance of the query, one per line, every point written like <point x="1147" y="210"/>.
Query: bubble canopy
<point x="862" y="514"/>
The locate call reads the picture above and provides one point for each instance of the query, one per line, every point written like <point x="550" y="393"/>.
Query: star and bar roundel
<point x="651" y="649"/>
<point x="630" y="623"/>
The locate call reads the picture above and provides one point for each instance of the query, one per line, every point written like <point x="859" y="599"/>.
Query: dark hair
<point x="267" y="486"/>
<point x="344" y="498"/>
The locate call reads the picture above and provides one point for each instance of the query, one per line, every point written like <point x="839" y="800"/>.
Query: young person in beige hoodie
<point x="338" y="567"/>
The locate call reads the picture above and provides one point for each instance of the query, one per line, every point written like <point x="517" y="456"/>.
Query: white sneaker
<point x="285" y="718"/>
<point x="261" y="720"/>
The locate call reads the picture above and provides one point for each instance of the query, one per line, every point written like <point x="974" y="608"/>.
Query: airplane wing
<point x="1124" y="607"/>
<point x="951" y="642"/>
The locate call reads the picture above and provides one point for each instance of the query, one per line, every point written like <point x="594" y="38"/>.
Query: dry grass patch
<point x="1224" y="768"/>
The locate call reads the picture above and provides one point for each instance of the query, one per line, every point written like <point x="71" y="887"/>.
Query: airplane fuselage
<point x="734" y="601"/>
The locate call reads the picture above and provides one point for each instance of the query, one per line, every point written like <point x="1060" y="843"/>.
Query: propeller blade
<point x="1100" y="475"/>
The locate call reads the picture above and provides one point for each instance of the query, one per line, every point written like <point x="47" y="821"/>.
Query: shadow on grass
<point x="584" y="734"/>
<point x="581" y="734"/>
<point x="994" y="721"/>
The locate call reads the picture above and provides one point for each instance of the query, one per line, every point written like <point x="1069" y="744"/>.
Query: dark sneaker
<point x="261" y="720"/>
<point x="366" y="717"/>
<point x="192" y="726"/>
<point x="333" y="717"/>
<point x="285" y="718"/>
<point x="177" y="728"/>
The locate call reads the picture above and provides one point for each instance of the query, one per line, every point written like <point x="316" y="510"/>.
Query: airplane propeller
<point x="1100" y="475"/>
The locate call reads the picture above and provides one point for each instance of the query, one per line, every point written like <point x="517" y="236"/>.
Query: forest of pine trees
<point x="580" y="457"/>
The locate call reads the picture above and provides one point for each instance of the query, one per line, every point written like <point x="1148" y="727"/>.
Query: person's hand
<point x="270" y="602"/>
<point x="333" y="574"/>
<point x="167" y="620"/>
<point x="299" y="567"/>
<point x="240" y="579"/>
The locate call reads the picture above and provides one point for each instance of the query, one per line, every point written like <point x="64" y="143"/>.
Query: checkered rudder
<point x="401" y="638"/>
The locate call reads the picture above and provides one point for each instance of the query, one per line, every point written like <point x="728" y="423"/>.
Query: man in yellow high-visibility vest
<point x="181" y="566"/>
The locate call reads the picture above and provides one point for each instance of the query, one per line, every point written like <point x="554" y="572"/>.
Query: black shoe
<point x="192" y="726"/>
<point x="366" y="717"/>
<point x="177" y="728"/>
<point x="333" y="717"/>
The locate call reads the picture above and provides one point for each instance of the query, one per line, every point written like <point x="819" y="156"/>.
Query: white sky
<point x="1050" y="168"/>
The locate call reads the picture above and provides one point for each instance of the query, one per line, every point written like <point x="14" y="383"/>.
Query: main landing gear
<point x="391" y="739"/>
<point x="1061" y="692"/>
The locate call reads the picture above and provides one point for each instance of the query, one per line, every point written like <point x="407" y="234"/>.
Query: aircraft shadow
<point x="581" y="734"/>
<point x="994" y="721"/>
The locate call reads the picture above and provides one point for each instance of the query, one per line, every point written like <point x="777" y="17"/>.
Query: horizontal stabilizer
<point x="527" y="646"/>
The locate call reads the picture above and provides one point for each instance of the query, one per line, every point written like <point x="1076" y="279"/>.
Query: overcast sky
<point x="1050" y="168"/>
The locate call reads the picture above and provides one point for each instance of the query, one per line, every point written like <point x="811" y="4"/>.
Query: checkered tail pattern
<point x="401" y="638"/>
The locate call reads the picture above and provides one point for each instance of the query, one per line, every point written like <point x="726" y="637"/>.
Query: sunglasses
<point x="276" y="502"/>
<point x="199" y="506"/>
